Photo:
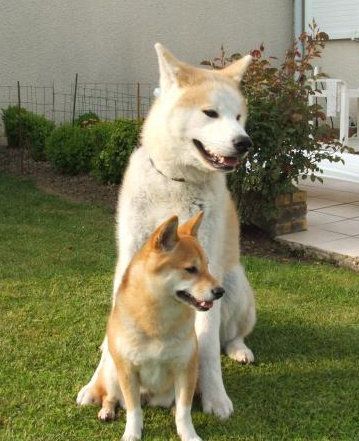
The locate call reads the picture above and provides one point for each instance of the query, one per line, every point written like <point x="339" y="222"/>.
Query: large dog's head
<point x="199" y="118"/>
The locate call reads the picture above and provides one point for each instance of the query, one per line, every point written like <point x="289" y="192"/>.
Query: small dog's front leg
<point x="185" y="383"/>
<point x="130" y="387"/>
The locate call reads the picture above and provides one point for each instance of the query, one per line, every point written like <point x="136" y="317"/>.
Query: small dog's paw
<point x="219" y="404"/>
<point x="106" y="414"/>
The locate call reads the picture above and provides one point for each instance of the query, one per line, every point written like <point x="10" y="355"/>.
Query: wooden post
<point x="74" y="104"/>
<point x="53" y="101"/>
<point x="20" y="129"/>
<point x="18" y="95"/>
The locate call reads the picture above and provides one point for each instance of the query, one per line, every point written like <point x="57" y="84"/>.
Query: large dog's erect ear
<point x="169" y="67"/>
<point x="237" y="69"/>
<point x="165" y="236"/>
<point x="191" y="227"/>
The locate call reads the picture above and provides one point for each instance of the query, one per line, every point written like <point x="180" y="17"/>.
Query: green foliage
<point x="56" y="270"/>
<point x="25" y="129"/>
<point x="285" y="145"/>
<point x="11" y="118"/>
<point x="87" y="119"/>
<point x="103" y="148"/>
<point x="35" y="130"/>
<point x="109" y="165"/>
<point x="70" y="149"/>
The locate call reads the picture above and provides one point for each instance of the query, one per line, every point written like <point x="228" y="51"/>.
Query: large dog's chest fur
<point x="147" y="198"/>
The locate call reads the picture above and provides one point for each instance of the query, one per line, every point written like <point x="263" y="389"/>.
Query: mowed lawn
<point x="56" y="267"/>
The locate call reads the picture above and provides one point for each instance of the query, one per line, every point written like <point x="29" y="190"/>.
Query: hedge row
<point x="26" y="129"/>
<point x="102" y="148"/>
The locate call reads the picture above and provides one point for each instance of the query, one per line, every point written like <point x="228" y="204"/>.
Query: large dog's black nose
<point x="218" y="292"/>
<point x="242" y="143"/>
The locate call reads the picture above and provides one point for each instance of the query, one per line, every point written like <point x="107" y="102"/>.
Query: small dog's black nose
<point x="218" y="292"/>
<point x="242" y="143"/>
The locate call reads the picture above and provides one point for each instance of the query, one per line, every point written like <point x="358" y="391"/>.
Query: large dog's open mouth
<point x="225" y="163"/>
<point x="200" y="305"/>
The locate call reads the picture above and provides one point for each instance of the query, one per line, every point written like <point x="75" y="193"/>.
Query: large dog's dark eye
<point x="238" y="117"/>
<point x="211" y="113"/>
<point x="191" y="270"/>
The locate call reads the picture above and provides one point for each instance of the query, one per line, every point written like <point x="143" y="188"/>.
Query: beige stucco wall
<point x="112" y="40"/>
<point x="341" y="60"/>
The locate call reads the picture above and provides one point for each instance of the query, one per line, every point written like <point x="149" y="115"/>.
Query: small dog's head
<point x="201" y="112"/>
<point x="176" y="265"/>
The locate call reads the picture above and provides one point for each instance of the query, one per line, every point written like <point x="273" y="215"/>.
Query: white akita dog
<point x="193" y="135"/>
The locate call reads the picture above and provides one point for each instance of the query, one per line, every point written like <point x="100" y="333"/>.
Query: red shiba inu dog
<point x="151" y="335"/>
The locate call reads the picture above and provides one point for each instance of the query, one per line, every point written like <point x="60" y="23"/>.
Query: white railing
<point x="338" y="96"/>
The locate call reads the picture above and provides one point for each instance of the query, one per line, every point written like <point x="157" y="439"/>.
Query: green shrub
<point x="25" y="129"/>
<point x="11" y="118"/>
<point x="70" y="149"/>
<point x="109" y="165"/>
<point x="101" y="134"/>
<point x="285" y="145"/>
<point x="87" y="119"/>
<point x="34" y="131"/>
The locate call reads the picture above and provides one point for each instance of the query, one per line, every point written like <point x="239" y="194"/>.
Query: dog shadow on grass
<point x="300" y="388"/>
<point x="301" y="385"/>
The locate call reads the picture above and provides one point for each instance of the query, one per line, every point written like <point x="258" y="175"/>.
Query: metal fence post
<point x="138" y="102"/>
<point x="74" y="105"/>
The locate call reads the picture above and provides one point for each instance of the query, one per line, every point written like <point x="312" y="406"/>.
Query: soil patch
<point x="85" y="188"/>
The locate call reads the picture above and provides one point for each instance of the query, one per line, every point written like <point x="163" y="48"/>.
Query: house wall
<point x="112" y="40"/>
<point x="340" y="59"/>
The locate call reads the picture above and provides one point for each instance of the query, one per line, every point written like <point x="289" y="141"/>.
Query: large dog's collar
<point x="159" y="171"/>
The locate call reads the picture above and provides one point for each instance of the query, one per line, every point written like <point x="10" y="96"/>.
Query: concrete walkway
<point x="333" y="220"/>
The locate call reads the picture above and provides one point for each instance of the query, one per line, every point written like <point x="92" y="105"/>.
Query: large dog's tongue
<point x="231" y="161"/>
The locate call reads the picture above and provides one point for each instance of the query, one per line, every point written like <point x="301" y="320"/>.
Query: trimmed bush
<point x="70" y="149"/>
<point x="11" y="119"/>
<point x="109" y="165"/>
<point x="34" y="131"/>
<point x="25" y="129"/>
<point x="87" y="119"/>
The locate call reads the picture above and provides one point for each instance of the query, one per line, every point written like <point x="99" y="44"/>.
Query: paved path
<point x="333" y="219"/>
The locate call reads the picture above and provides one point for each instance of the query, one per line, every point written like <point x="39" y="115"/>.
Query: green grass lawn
<point x="56" y="266"/>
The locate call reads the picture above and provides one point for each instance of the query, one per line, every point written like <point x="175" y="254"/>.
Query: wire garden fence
<point x="108" y="100"/>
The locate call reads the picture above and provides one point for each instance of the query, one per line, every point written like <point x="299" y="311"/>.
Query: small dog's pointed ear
<point x="165" y="237"/>
<point x="169" y="67"/>
<point x="191" y="227"/>
<point x="237" y="69"/>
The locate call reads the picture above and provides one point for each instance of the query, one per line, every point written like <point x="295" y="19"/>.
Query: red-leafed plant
<point x="285" y="145"/>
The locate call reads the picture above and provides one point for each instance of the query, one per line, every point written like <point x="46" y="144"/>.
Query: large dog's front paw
<point x="130" y="437"/>
<point x="193" y="438"/>
<point x="238" y="351"/>
<point x="87" y="396"/>
<point x="217" y="403"/>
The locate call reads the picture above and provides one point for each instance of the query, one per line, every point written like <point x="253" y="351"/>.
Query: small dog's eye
<point x="211" y="113"/>
<point x="238" y="117"/>
<point x="191" y="269"/>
